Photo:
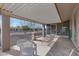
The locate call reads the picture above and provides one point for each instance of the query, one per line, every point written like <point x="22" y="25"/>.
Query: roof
<point x="45" y="13"/>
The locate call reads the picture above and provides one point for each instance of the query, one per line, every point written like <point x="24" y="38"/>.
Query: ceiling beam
<point x="5" y="12"/>
<point x="58" y="11"/>
<point x="23" y="18"/>
<point x="1" y="5"/>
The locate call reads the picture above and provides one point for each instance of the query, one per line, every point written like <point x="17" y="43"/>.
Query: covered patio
<point x="47" y="14"/>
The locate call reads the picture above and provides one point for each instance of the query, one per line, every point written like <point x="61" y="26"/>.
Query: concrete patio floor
<point x="62" y="47"/>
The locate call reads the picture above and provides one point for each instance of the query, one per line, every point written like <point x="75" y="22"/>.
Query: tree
<point x="25" y="28"/>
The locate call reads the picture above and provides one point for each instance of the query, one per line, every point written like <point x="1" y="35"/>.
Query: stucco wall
<point x="77" y="25"/>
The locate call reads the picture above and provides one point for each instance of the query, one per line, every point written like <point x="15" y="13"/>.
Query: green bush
<point x="25" y="28"/>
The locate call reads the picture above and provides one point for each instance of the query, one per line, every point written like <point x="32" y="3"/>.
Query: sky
<point x="17" y="22"/>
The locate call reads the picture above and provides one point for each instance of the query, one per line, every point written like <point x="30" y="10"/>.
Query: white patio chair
<point x="27" y="48"/>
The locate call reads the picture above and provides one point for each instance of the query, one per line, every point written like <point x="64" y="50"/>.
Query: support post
<point x="56" y="28"/>
<point x="43" y="30"/>
<point x="5" y="33"/>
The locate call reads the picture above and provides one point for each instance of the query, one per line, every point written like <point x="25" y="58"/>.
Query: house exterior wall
<point x="51" y="29"/>
<point x="61" y="28"/>
<point x="48" y="28"/>
<point x="76" y="25"/>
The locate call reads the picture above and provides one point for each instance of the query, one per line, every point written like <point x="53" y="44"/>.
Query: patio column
<point x="5" y="33"/>
<point x="43" y="30"/>
<point x="56" y="29"/>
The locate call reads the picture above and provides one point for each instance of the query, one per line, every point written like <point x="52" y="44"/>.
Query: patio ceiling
<point x="65" y="10"/>
<point x="45" y="13"/>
